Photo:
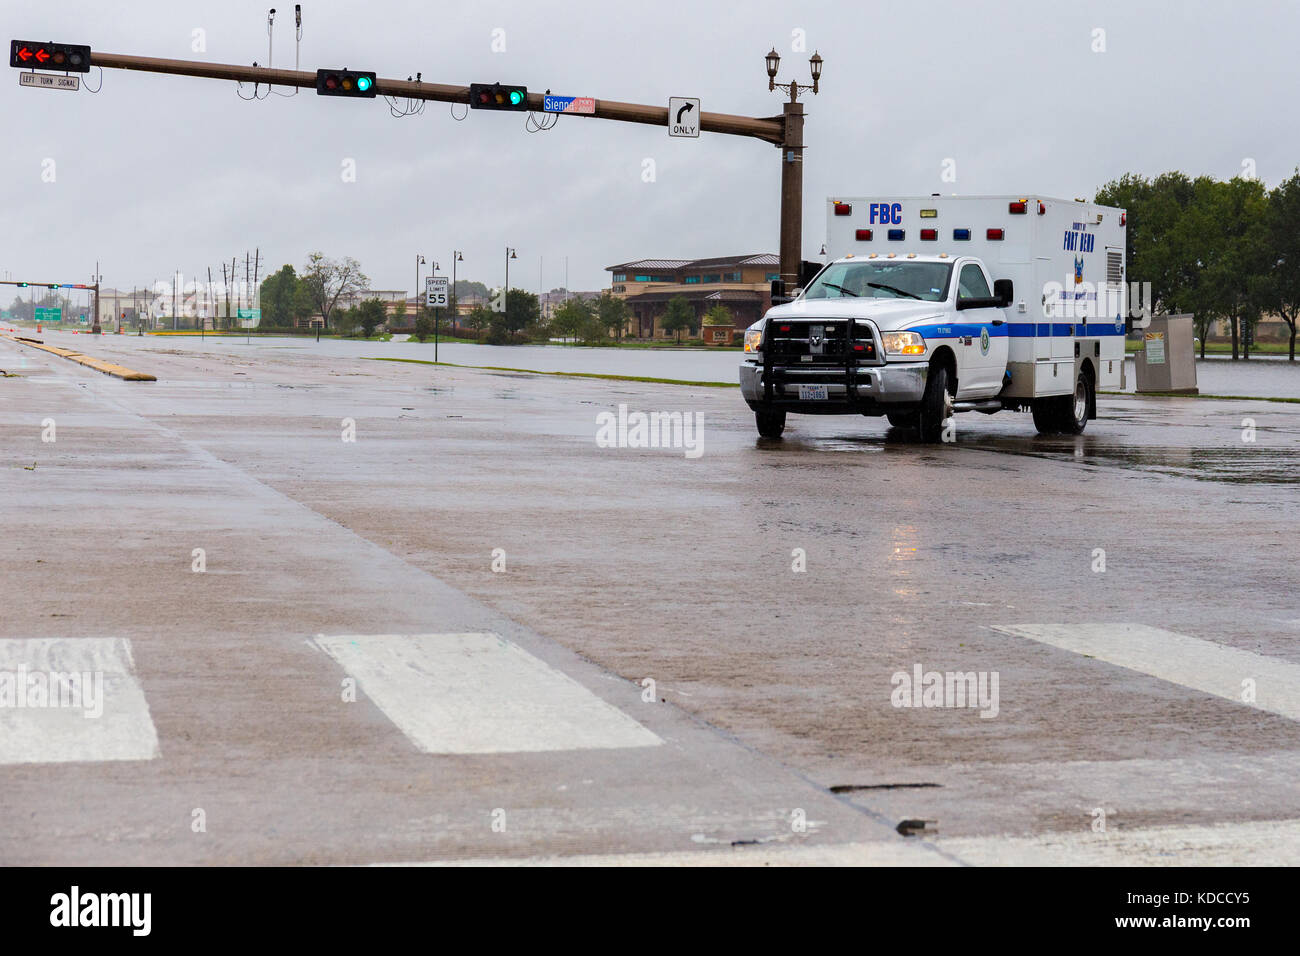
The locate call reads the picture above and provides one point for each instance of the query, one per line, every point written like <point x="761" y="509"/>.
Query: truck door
<point x="981" y="363"/>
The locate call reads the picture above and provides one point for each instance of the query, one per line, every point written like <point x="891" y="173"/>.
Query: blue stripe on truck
<point x="1079" y="330"/>
<point x="1020" y="330"/>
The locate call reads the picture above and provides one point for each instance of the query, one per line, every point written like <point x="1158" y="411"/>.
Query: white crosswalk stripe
<point x="1243" y="677"/>
<point x="65" y="700"/>
<point x="478" y="693"/>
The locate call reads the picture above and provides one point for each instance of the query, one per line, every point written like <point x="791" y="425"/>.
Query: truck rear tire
<point x="936" y="404"/>
<point x="770" y="424"/>
<point x="1074" y="408"/>
<point x="1046" y="415"/>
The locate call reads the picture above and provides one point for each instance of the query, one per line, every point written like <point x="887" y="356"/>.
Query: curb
<point x="99" y="365"/>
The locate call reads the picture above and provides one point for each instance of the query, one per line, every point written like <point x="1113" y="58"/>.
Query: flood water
<point x="1265" y="377"/>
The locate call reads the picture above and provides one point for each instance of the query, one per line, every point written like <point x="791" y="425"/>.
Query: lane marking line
<point x="1186" y="661"/>
<point x="479" y="693"/>
<point x="33" y="729"/>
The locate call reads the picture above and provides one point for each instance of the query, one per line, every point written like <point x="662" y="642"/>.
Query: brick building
<point x="741" y="283"/>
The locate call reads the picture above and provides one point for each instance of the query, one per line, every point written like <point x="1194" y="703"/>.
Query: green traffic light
<point x="516" y="97"/>
<point x="363" y="83"/>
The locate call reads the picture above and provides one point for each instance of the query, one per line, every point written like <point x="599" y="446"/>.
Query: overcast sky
<point x="159" y="173"/>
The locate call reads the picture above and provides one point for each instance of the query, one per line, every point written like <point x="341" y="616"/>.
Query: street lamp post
<point x="419" y="261"/>
<point x="451" y="300"/>
<point x="433" y="271"/>
<point x="455" y="310"/>
<point x="505" y="295"/>
<point x="792" y="165"/>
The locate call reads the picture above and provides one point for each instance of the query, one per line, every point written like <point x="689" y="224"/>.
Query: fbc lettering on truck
<point x="885" y="214"/>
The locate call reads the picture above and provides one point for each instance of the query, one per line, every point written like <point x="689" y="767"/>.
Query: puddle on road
<point x="1249" y="464"/>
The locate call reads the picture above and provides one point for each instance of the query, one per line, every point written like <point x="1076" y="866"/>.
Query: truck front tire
<point x="936" y="404"/>
<point x="902" y="419"/>
<point x="770" y="424"/>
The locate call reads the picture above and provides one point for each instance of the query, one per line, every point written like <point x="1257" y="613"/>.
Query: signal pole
<point x="784" y="131"/>
<point x="94" y="328"/>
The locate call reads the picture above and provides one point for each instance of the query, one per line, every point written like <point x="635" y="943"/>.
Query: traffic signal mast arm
<point x="769" y="129"/>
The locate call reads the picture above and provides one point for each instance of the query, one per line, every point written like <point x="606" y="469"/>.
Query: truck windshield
<point x="882" y="279"/>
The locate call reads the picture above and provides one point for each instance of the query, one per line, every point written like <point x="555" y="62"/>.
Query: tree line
<point x="288" y="297"/>
<point x="1220" y="250"/>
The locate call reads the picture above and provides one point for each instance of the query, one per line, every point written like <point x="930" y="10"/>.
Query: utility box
<point x="1167" y="360"/>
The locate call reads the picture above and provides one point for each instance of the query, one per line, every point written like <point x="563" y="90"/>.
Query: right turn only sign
<point x="683" y="116"/>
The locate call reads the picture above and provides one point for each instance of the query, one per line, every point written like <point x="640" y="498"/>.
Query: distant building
<point x="548" y="302"/>
<point x="741" y="283"/>
<point x="390" y="298"/>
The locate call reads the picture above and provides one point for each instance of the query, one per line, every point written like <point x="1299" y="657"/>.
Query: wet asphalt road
<point x="773" y="686"/>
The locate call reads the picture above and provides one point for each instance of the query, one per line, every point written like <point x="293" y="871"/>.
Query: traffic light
<point x="61" y="57"/>
<point x="345" y="83"/>
<point x="495" y="96"/>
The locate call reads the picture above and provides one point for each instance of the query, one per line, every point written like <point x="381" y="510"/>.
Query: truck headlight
<point x="753" y="340"/>
<point x="903" y="343"/>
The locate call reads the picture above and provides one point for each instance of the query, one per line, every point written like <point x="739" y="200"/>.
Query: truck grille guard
<point x="830" y="345"/>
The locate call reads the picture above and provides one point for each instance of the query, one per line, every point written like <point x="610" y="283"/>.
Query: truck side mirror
<point x="778" y="292"/>
<point x="1004" y="291"/>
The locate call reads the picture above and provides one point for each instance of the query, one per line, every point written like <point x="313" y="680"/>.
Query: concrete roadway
<point x="502" y="715"/>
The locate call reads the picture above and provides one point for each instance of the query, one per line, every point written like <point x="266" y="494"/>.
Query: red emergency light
<point x="1018" y="208"/>
<point x="843" y="209"/>
<point x="929" y="235"/>
<point x="995" y="234"/>
<point x="862" y="235"/>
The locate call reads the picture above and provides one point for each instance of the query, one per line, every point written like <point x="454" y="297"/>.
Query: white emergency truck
<point x="935" y="305"/>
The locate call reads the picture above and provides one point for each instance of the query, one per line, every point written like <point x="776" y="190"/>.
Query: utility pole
<point x="253" y="302"/>
<point x="784" y="131"/>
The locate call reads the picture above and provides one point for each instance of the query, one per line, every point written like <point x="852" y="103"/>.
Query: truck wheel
<point x="936" y="404"/>
<point x="902" y="419"/>
<point x="770" y="424"/>
<point x="1074" y="408"/>
<point x="1046" y="415"/>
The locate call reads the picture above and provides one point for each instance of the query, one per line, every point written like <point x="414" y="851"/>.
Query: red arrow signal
<point x="24" y="54"/>
<point x="41" y="56"/>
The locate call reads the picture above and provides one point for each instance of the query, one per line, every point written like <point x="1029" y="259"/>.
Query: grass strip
<point x="533" y="371"/>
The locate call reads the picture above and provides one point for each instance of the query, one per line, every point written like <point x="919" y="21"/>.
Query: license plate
<point x="812" y="393"/>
